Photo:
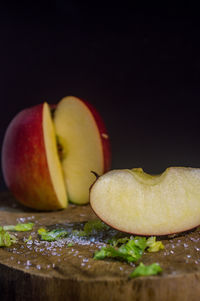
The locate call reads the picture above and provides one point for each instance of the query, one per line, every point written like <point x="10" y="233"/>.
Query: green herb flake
<point x="146" y="270"/>
<point x="6" y="239"/>
<point x="28" y="239"/>
<point x="118" y="241"/>
<point x="52" y="235"/>
<point x="130" y="250"/>
<point x="19" y="227"/>
<point x="41" y="231"/>
<point x="102" y="254"/>
<point x="70" y="244"/>
<point x="153" y="245"/>
<point x="109" y="252"/>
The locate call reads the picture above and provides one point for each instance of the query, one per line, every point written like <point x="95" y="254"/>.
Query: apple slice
<point x="30" y="162"/>
<point x="85" y="146"/>
<point x="138" y="203"/>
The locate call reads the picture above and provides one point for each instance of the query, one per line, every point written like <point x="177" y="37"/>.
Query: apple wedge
<point x="30" y="161"/>
<point x="138" y="203"/>
<point x="84" y="143"/>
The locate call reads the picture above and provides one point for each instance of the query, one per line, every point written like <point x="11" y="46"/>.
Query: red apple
<point x="34" y="171"/>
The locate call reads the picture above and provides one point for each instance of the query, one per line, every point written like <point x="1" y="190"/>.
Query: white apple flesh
<point x="79" y="137"/>
<point x="138" y="203"/>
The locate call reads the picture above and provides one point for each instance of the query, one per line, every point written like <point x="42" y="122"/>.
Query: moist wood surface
<point x="54" y="271"/>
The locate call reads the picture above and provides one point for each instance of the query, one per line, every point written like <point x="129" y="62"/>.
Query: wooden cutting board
<point x="35" y="270"/>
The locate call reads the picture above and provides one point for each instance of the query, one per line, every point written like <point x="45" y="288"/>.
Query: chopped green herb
<point x="146" y="270"/>
<point x="70" y="244"/>
<point x="106" y="252"/>
<point x="129" y="251"/>
<point x="52" y="235"/>
<point x="153" y="245"/>
<point x="41" y="231"/>
<point x="28" y="239"/>
<point x="103" y="253"/>
<point x="118" y="241"/>
<point x="140" y="242"/>
<point x="6" y="239"/>
<point x="19" y="227"/>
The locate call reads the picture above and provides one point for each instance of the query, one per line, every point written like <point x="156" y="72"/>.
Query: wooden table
<point x="35" y="270"/>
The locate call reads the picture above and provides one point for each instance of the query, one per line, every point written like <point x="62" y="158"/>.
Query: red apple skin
<point x="103" y="135"/>
<point x="24" y="161"/>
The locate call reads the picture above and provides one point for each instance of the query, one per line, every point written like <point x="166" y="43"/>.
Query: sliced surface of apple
<point x="138" y="203"/>
<point x="30" y="162"/>
<point x="84" y="143"/>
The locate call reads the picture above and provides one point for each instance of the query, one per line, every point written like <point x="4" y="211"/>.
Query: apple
<point x="135" y="202"/>
<point x="44" y="153"/>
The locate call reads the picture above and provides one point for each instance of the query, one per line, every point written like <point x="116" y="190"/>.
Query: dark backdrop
<point x="138" y="66"/>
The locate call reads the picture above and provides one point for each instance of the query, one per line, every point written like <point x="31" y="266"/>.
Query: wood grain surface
<point x="35" y="270"/>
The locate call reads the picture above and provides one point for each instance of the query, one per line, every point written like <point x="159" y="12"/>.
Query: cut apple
<point x="44" y="159"/>
<point x="30" y="161"/>
<point x="138" y="203"/>
<point x="82" y="142"/>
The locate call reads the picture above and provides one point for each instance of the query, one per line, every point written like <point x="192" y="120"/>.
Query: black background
<point x="138" y="65"/>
